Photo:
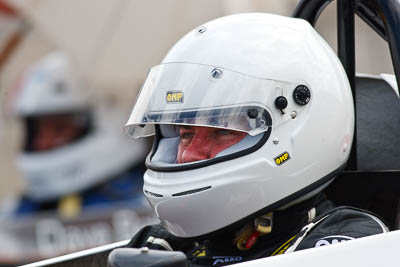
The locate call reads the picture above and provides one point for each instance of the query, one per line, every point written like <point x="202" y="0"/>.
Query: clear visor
<point x="51" y="131"/>
<point x="202" y="95"/>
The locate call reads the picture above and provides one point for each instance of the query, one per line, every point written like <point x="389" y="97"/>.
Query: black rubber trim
<point x="271" y="207"/>
<point x="156" y="141"/>
<point x="201" y="164"/>
<point x="152" y="194"/>
<point x="191" y="191"/>
<point x="30" y="124"/>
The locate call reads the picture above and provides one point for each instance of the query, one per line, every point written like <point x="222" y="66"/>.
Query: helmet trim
<point x="201" y="164"/>
<point x="29" y="124"/>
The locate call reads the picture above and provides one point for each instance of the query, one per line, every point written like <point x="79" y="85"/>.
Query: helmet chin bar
<point x="287" y="202"/>
<point x="293" y="199"/>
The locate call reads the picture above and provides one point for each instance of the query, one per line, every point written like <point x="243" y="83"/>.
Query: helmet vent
<point x="153" y="194"/>
<point x="191" y="191"/>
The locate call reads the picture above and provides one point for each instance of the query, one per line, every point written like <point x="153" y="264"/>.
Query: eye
<point x="224" y="132"/>
<point x="187" y="135"/>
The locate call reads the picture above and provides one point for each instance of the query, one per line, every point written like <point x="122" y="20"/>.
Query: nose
<point x="200" y="146"/>
<point x="44" y="139"/>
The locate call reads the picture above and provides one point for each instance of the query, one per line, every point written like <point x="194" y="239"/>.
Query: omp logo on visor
<point x="282" y="158"/>
<point x="174" y="97"/>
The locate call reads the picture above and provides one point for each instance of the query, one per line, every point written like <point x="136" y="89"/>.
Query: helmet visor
<point x="202" y="95"/>
<point x="51" y="131"/>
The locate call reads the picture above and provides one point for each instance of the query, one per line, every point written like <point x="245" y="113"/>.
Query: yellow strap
<point x="201" y="252"/>
<point x="264" y="223"/>
<point x="283" y="247"/>
<point x="242" y="236"/>
<point x="70" y="206"/>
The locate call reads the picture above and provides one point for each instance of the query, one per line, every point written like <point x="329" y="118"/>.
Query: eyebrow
<point x="185" y="127"/>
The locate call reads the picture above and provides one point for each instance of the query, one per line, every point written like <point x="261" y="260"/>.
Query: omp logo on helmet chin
<point x="226" y="259"/>
<point x="174" y="97"/>
<point x="333" y="239"/>
<point x="282" y="158"/>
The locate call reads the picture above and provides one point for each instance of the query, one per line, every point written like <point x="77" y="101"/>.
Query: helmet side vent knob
<point x="301" y="95"/>
<point x="281" y="103"/>
<point x="201" y="29"/>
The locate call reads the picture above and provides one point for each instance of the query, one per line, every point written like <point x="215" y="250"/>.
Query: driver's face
<point x="54" y="131"/>
<point x="199" y="143"/>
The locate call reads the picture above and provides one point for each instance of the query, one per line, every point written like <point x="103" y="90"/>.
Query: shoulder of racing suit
<point x="337" y="225"/>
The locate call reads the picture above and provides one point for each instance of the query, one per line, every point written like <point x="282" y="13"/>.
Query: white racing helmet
<point x="69" y="144"/>
<point x="269" y="76"/>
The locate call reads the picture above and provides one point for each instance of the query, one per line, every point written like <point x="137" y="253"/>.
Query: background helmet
<point x="71" y="141"/>
<point x="270" y="76"/>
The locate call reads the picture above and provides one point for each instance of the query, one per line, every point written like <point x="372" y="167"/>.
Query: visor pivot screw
<point x="275" y="141"/>
<point x="60" y="88"/>
<point x="293" y="114"/>
<point x="216" y="73"/>
<point x="281" y="103"/>
<point x="345" y="148"/>
<point x="201" y="29"/>
<point x="301" y="95"/>
<point x="252" y="113"/>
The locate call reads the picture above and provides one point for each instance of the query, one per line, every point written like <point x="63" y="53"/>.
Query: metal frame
<point x="346" y="53"/>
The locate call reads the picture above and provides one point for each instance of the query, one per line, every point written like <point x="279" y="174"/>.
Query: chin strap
<point x="248" y="235"/>
<point x="70" y="206"/>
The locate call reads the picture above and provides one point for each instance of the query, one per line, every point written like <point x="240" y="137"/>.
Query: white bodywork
<point x="376" y="250"/>
<point x="371" y="251"/>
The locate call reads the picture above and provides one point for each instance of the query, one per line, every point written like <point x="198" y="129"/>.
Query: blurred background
<point x="100" y="51"/>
